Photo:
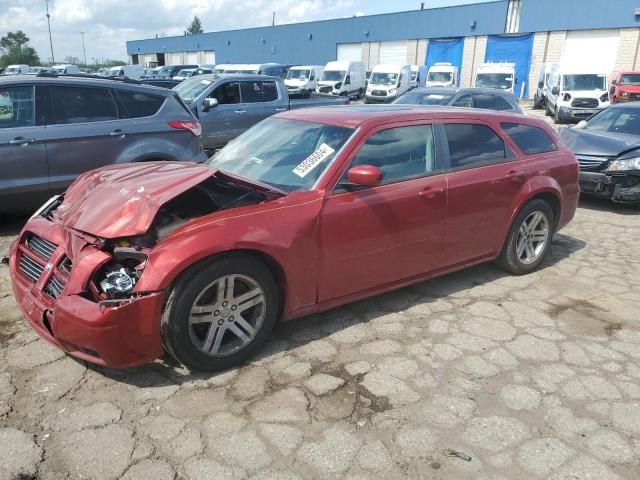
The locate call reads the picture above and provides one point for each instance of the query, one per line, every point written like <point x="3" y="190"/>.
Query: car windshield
<point x="632" y="79"/>
<point x="333" y="75"/>
<point x="383" y="78"/>
<point x="495" y="80"/>
<point x="190" y="89"/>
<point x="114" y="73"/>
<point x="444" y="77"/>
<point x="298" y="74"/>
<point x="59" y="69"/>
<point x="587" y="81"/>
<point x="185" y="73"/>
<point x="12" y="70"/>
<point x="616" y="120"/>
<point x="165" y="72"/>
<point x="417" y="98"/>
<point x="287" y="154"/>
<point x="414" y="75"/>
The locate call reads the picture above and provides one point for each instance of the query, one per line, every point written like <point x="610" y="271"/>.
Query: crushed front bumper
<point x="120" y="335"/>
<point x="619" y="187"/>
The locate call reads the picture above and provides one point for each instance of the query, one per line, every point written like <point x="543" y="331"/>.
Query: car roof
<point x="368" y="115"/>
<point x="81" y="80"/>
<point x="454" y="90"/>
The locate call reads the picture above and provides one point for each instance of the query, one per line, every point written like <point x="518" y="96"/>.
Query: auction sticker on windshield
<point x="313" y="160"/>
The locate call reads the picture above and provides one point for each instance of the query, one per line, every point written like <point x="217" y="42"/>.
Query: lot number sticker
<point x="313" y="160"/>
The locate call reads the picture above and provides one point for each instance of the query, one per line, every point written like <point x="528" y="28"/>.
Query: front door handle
<point x="240" y="111"/>
<point x="281" y="109"/>
<point x="117" y="133"/>
<point x="516" y="176"/>
<point x="23" y="142"/>
<point x="431" y="192"/>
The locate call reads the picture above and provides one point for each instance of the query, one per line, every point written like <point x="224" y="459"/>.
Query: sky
<point x="108" y="24"/>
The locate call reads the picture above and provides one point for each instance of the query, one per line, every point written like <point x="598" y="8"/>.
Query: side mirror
<point x="540" y="84"/>
<point x="209" y="103"/>
<point x="555" y="90"/>
<point x="347" y="80"/>
<point x="365" y="175"/>
<point x="612" y="90"/>
<point x="582" y="124"/>
<point x="614" y="82"/>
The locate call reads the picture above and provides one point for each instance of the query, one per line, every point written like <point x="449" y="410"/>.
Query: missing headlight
<point x="118" y="282"/>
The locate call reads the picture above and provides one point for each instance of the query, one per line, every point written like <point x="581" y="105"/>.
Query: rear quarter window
<point x="137" y="105"/>
<point x="531" y="140"/>
<point x="474" y="145"/>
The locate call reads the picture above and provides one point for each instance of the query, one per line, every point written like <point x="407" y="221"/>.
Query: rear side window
<point x="82" y="105"/>
<point x="16" y="107"/>
<point x="253" y="92"/>
<point x="491" y="102"/>
<point x="474" y="145"/>
<point x="137" y="105"/>
<point x="531" y="140"/>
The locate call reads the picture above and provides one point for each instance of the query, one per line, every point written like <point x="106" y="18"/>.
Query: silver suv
<point x="54" y="128"/>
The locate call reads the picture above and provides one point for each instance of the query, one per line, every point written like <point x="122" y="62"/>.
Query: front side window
<point x="473" y="145"/>
<point x="82" y="105"/>
<point x="531" y="140"/>
<point x="227" y="93"/>
<point x="463" y="101"/>
<point x="400" y="153"/>
<point x="253" y="92"/>
<point x="288" y="154"/>
<point x="16" y="107"/>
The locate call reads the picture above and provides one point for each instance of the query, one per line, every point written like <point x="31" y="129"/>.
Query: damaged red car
<point x="308" y="210"/>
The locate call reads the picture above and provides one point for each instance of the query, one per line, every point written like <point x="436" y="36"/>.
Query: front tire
<point x="220" y="313"/>
<point x="529" y="238"/>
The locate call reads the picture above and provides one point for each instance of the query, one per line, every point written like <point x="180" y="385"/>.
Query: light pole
<point x="83" y="50"/>
<point x="53" y="59"/>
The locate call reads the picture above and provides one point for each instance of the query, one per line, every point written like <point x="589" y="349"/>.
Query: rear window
<point x="531" y="140"/>
<point x="136" y="105"/>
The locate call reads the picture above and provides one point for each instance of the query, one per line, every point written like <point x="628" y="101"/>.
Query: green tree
<point x="195" y="27"/>
<point x="15" y="49"/>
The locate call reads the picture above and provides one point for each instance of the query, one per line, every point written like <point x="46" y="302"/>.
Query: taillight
<point x="192" y="125"/>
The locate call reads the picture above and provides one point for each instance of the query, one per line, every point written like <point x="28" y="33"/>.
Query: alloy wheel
<point x="532" y="238"/>
<point x="227" y="315"/>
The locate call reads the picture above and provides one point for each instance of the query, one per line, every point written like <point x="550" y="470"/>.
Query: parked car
<point x="500" y="75"/>
<point x="489" y="98"/>
<point x="269" y="69"/>
<point x="540" y="97"/>
<point x="574" y="95"/>
<point x="442" y="74"/>
<point x="129" y="71"/>
<point x="163" y="82"/>
<point x="152" y="72"/>
<point x="209" y="257"/>
<point x="37" y="70"/>
<point x="170" y="71"/>
<point x="302" y="80"/>
<point x="607" y="146"/>
<point x="227" y="105"/>
<point x="388" y="82"/>
<point x="343" y="78"/>
<point x="203" y="70"/>
<point x="52" y="129"/>
<point x="66" y="69"/>
<point x="186" y="73"/>
<point x="17" y="70"/>
<point x="624" y="87"/>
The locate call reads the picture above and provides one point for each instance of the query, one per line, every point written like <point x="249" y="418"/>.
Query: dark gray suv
<point x="53" y="129"/>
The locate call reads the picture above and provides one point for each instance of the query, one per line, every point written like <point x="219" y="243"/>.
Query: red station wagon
<point x="308" y="210"/>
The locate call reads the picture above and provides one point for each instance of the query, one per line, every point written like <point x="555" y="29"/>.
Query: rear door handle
<point x="23" y="142"/>
<point x="117" y="133"/>
<point x="240" y="111"/>
<point x="431" y="192"/>
<point x="516" y="176"/>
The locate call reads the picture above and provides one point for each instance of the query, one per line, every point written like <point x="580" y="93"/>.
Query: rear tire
<point x="220" y="313"/>
<point x="547" y="110"/>
<point x="556" y="117"/>
<point x="529" y="238"/>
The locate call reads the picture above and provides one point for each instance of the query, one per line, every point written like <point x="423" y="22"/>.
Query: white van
<point x="303" y="79"/>
<point x="66" y="69"/>
<point x="271" y="69"/>
<point x="575" y="94"/>
<point x="540" y="97"/>
<point x="415" y="69"/>
<point x="17" y="70"/>
<point x="129" y="71"/>
<point x="496" y="75"/>
<point x="442" y="74"/>
<point x="343" y="78"/>
<point x="388" y="82"/>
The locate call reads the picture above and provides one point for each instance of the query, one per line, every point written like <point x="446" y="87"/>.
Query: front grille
<point x="41" y="247"/>
<point x="30" y="268"/>
<point x="379" y="93"/>
<point x="54" y="287"/>
<point x="591" y="163"/>
<point x="585" y="103"/>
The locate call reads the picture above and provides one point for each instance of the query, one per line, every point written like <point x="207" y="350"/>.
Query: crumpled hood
<point x="122" y="200"/>
<point x="585" y="142"/>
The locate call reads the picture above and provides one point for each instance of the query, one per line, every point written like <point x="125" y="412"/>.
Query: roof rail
<point x="86" y="75"/>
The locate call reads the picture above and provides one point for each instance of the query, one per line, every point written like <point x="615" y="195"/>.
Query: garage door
<point x="591" y="49"/>
<point x="394" y="53"/>
<point x="512" y="49"/>
<point x="350" y="52"/>
<point x="173" y="59"/>
<point x="192" y="58"/>
<point x="210" y="57"/>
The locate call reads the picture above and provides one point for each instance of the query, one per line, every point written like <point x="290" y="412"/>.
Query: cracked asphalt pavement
<point x="532" y="377"/>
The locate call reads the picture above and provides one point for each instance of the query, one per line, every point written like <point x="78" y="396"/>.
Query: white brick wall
<point x="365" y="47"/>
<point x="540" y="42"/>
<point x="556" y="43"/>
<point x="374" y="54"/>
<point x="412" y="51"/>
<point x="470" y="60"/>
<point x="627" y="58"/>
<point x="423" y="44"/>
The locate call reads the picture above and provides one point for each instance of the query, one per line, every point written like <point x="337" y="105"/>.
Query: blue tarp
<point x="513" y="49"/>
<point x="445" y="50"/>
